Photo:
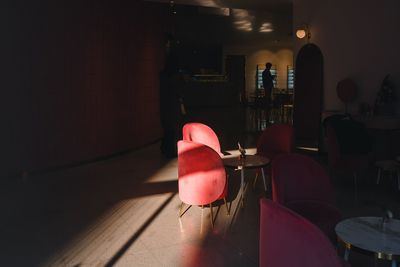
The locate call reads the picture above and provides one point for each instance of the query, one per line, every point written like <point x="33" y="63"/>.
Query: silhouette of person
<point x="268" y="84"/>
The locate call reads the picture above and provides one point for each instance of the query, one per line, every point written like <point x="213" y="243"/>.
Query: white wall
<point x="358" y="39"/>
<point x="279" y="55"/>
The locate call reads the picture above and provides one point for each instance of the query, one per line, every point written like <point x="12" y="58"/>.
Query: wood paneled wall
<point x="81" y="80"/>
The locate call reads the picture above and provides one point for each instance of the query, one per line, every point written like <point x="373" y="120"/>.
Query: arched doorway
<point x="308" y="97"/>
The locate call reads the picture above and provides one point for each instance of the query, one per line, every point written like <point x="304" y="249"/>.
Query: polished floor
<point x="123" y="211"/>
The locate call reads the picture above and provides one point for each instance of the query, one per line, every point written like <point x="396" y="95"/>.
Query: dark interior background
<point x="195" y="57"/>
<point x="81" y="80"/>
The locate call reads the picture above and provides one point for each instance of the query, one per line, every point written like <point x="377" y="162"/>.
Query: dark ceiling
<point x="244" y="4"/>
<point x="232" y="20"/>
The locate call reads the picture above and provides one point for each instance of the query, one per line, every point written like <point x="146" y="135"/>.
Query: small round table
<point x="247" y="162"/>
<point x="371" y="235"/>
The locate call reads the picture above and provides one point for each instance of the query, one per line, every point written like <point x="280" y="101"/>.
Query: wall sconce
<point x="303" y="32"/>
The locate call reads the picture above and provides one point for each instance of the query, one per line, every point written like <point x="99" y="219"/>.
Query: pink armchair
<point x="302" y="185"/>
<point x="274" y="141"/>
<point x="201" y="176"/>
<point x="287" y="239"/>
<point x="203" y="134"/>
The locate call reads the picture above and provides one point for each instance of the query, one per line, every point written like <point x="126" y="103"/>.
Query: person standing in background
<point x="268" y="84"/>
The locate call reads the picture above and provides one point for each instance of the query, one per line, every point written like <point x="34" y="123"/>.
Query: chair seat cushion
<point x="321" y="214"/>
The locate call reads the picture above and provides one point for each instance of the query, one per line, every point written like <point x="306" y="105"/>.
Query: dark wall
<point x="196" y="57"/>
<point x="81" y="80"/>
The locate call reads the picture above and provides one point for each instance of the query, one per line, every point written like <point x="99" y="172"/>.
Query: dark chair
<point x="302" y="185"/>
<point x="349" y="146"/>
<point x="287" y="239"/>
<point x="275" y="140"/>
<point x="280" y="113"/>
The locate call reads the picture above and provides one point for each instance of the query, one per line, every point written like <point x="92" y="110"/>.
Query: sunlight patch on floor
<point x="108" y="234"/>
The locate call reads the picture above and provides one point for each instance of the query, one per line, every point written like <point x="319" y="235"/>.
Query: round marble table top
<point x="367" y="233"/>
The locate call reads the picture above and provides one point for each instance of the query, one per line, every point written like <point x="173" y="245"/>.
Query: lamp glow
<point x="301" y="33"/>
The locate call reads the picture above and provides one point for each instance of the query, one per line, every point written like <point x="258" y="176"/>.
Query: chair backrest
<point x="287" y="239"/>
<point x="275" y="140"/>
<point x="201" y="173"/>
<point x="297" y="177"/>
<point x="345" y="136"/>
<point x="201" y="133"/>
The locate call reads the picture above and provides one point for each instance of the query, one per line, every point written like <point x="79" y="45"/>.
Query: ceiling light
<point x="266" y="30"/>
<point x="266" y="27"/>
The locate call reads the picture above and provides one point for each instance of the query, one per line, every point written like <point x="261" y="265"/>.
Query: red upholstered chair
<point x="302" y="185"/>
<point x="201" y="176"/>
<point x="287" y="239"/>
<point x="274" y="141"/>
<point x="203" y="134"/>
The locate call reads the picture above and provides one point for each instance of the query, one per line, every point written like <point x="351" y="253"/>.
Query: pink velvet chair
<point x="302" y="185"/>
<point x="203" y="134"/>
<point x="201" y="176"/>
<point x="287" y="239"/>
<point x="276" y="140"/>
